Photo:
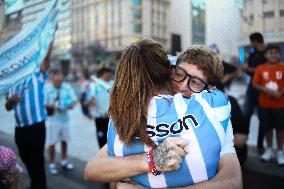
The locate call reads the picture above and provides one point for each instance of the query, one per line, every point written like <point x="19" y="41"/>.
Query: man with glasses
<point x="196" y="72"/>
<point x="194" y="83"/>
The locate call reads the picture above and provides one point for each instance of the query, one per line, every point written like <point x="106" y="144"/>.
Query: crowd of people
<point x="159" y="123"/>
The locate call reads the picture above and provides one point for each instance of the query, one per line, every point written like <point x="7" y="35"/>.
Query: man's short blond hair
<point x="205" y="59"/>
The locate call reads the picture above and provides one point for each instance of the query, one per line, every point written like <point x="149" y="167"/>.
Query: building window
<point x="137" y="2"/>
<point x="282" y="13"/>
<point x="268" y="14"/>
<point x="250" y="20"/>
<point x="137" y="27"/>
<point x="137" y="13"/>
<point x="282" y="32"/>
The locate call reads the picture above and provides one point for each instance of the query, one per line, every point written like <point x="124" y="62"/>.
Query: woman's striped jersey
<point x="204" y="120"/>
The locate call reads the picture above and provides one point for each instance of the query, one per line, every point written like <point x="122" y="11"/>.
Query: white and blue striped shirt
<point x="30" y="109"/>
<point x="204" y="120"/>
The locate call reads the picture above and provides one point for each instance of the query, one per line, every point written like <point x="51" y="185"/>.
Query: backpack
<point x="84" y="105"/>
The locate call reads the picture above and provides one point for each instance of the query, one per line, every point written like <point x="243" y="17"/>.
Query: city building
<point x="223" y="26"/>
<point x="116" y="23"/>
<point x="10" y="20"/>
<point x="265" y="16"/>
<point x="62" y="42"/>
<point x="180" y="25"/>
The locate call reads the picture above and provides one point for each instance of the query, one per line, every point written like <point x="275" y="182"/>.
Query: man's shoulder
<point x="215" y="98"/>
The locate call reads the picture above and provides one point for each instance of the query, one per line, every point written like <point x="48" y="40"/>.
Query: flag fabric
<point x="173" y="59"/>
<point x="22" y="55"/>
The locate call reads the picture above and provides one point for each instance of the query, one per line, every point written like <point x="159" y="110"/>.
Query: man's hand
<point x="245" y="68"/>
<point x="168" y="155"/>
<point x="46" y="61"/>
<point x="272" y="94"/>
<point x="240" y="140"/>
<point x="14" y="99"/>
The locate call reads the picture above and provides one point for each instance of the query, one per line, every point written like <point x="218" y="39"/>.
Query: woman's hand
<point x="168" y="155"/>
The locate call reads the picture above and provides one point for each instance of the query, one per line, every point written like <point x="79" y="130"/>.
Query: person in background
<point x="85" y="84"/>
<point x="59" y="99"/>
<point x="269" y="81"/>
<point x="255" y="59"/>
<point x="239" y="123"/>
<point x="98" y="97"/>
<point x="27" y="102"/>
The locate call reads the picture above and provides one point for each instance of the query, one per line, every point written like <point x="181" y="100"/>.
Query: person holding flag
<point x="24" y="61"/>
<point x="27" y="102"/>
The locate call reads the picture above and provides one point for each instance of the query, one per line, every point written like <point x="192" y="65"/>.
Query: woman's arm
<point x="104" y="168"/>
<point x="228" y="176"/>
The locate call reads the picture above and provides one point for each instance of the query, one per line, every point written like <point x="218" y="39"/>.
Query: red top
<point x="271" y="77"/>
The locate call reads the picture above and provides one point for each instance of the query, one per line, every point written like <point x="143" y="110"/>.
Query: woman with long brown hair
<point x="147" y="117"/>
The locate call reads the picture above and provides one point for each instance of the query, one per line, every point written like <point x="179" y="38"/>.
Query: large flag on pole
<point x="20" y="56"/>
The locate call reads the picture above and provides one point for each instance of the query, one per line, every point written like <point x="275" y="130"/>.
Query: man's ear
<point x="212" y="87"/>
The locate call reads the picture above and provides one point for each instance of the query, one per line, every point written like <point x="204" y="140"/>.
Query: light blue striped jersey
<point x="31" y="109"/>
<point x="100" y="91"/>
<point x="66" y="97"/>
<point x="203" y="120"/>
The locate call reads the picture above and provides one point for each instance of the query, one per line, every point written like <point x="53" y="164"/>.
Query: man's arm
<point x="269" y="92"/>
<point x="228" y="176"/>
<point x="247" y="69"/>
<point x="104" y="168"/>
<point x="46" y="61"/>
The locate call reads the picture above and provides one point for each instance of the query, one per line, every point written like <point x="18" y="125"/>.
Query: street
<point x="84" y="145"/>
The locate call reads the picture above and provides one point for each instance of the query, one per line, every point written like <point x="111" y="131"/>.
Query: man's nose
<point x="184" y="83"/>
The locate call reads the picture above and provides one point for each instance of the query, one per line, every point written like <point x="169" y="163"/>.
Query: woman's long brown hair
<point x="143" y="70"/>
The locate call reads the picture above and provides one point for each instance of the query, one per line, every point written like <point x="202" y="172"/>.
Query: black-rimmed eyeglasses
<point x="195" y="84"/>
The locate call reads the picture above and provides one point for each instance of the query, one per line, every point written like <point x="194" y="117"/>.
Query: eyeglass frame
<point x="206" y="87"/>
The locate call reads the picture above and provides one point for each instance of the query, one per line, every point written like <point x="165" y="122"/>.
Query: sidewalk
<point x="261" y="175"/>
<point x="64" y="180"/>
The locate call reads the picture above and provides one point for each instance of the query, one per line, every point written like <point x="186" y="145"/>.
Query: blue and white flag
<point x="173" y="59"/>
<point x="20" y="56"/>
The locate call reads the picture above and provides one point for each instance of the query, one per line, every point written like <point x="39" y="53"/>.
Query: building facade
<point x="62" y="42"/>
<point x="223" y="26"/>
<point x="265" y="16"/>
<point x="117" y="23"/>
<point x="10" y="21"/>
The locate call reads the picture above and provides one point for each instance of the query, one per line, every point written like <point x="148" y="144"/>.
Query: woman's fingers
<point x="179" y="151"/>
<point x="178" y="141"/>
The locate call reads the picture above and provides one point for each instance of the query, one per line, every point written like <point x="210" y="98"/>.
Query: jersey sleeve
<point x="228" y="145"/>
<point x="220" y="104"/>
<point x="47" y="100"/>
<point x="222" y="109"/>
<point x="41" y="75"/>
<point x="90" y="92"/>
<point x="72" y="94"/>
<point x="111" y="134"/>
